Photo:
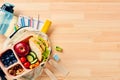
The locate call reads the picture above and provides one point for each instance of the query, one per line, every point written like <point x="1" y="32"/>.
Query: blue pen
<point x="22" y="22"/>
<point x="28" y="22"/>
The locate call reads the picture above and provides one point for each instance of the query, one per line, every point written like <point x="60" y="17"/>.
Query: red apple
<point x="27" y="64"/>
<point x="23" y="59"/>
<point x="21" y="49"/>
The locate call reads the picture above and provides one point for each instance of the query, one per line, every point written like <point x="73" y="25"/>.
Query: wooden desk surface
<point x="87" y="30"/>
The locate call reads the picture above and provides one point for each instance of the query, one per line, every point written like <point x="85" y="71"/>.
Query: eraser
<point x="56" y="57"/>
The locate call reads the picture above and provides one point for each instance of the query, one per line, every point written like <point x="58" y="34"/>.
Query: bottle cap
<point x="8" y="7"/>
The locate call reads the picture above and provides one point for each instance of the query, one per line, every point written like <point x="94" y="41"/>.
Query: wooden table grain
<point x="87" y="30"/>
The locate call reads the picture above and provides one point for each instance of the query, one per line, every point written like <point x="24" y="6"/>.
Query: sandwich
<point x="38" y="45"/>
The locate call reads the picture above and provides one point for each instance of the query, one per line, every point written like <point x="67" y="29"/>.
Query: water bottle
<point x="6" y="19"/>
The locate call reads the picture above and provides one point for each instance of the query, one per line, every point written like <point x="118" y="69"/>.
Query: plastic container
<point x="7" y="19"/>
<point x="14" y="68"/>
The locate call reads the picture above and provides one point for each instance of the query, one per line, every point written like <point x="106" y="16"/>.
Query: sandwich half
<point x="35" y="47"/>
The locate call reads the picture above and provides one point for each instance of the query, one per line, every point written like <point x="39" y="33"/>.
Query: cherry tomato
<point x="27" y="64"/>
<point x="23" y="59"/>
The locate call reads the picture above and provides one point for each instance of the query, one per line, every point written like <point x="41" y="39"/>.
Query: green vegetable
<point x="33" y="54"/>
<point x="46" y="54"/>
<point x="42" y="40"/>
<point x="30" y="58"/>
<point x="58" y="49"/>
<point x="34" y="61"/>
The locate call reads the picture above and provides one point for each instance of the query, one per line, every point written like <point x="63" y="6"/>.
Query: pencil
<point x="38" y="22"/>
<point x="22" y="22"/>
<point x="31" y="22"/>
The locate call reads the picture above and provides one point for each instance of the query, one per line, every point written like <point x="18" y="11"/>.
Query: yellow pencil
<point x="46" y="26"/>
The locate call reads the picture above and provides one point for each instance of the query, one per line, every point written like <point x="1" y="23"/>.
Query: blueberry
<point x="10" y="63"/>
<point x="14" y="61"/>
<point x="2" y="60"/>
<point x="6" y="65"/>
<point x="7" y="61"/>
<point x="2" y="56"/>
<point x="7" y="58"/>
<point x="9" y="52"/>
<point x="11" y="56"/>
<point x="14" y="58"/>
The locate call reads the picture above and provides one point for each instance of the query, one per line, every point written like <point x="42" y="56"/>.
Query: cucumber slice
<point x="34" y="61"/>
<point x="30" y="58"/>
<point x="33" y="54"/>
